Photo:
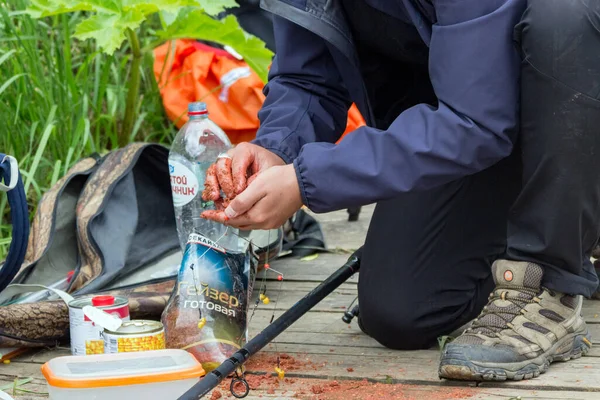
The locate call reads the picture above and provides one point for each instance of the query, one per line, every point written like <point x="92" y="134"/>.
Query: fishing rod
<point x="229" y="366"/>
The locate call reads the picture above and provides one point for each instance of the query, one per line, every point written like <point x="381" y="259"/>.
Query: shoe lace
<point x="494" y="319"/>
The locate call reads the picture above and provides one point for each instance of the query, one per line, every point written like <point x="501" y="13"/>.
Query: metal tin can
<point x="86" y="337"/>
<point x="136" y="335"/>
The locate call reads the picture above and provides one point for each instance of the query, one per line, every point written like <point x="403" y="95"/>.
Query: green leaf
<point x="131" y="19"/>
<point x="17" y="382"/>
<point x="214" y="7"/>
<point x="167" y="18"/>
<point x="50" y="125"/>
<point x="197" y="25"/>
<point x="7" y="55"/>
<point x="109" y="30"/>
<point x="444" y="340"/>
<point x="103" y="29"/>
<point x="9" y="81"/>
<point x="44" y="8"/>
<point x="310" y="257"/>
<point x="147" y="7"/>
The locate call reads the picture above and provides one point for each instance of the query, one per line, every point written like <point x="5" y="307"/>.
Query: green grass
<point x="61" y="100"/>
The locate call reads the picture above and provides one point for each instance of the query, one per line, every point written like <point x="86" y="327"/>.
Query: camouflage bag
<point x="110" y="223"/>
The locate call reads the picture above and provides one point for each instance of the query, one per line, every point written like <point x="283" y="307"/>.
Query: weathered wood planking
<point x="340" y="299"/>
<point x="406" y="367"/>
<point x="38" y="385"/>
<point x="282" y="346"/>
<point x="322" y="337"/>
<point x="299" y="390"/>
<point x="317" y="333"/>
<point x="403" y="368"/>
<point x="433" y="353"/>
<point x="311" y="271"/>
<point x="351" y="338"/>
<point x="328" y="323"/>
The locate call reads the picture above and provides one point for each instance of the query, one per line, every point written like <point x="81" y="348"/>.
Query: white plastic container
<point x="157" y="374"/>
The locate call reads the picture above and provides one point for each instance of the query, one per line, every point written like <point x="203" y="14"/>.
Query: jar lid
<point x="104" y="300"/>
<point x="137" y="327"/>
<point x="121" y="369"/>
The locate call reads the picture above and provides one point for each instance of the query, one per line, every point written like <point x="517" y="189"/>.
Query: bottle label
<point x="207" y="315"/>
<point x="184" y="183"/>
<point x="199" y="239"/>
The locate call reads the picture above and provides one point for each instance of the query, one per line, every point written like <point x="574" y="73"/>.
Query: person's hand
<point x="267" y="203"/>
<point x="233" y="174"/>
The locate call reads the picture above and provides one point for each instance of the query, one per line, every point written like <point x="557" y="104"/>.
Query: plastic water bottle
<point x="195" y="148"/>
<point x="207" y="311"/>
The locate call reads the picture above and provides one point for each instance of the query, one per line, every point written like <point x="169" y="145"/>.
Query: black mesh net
<point x="533" y="276"/>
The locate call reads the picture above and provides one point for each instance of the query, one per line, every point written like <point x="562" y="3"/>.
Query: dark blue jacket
<point x="474" y="67"/>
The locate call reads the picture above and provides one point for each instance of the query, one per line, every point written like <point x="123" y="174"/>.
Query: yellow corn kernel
<point x="280" y="372"/>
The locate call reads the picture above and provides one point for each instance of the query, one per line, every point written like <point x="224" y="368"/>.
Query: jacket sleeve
<point x="474" y="68"/>
<point x="305" y="98"/>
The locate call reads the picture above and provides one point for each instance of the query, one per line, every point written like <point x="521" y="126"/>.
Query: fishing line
<point x="262" y="296"/>
<point x="262" y="292"/>
<point x="267" y="335"/>
<point x="201" y="320"/>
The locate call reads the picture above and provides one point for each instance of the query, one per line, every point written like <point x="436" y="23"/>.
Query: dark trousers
<point x="426" y="262"/>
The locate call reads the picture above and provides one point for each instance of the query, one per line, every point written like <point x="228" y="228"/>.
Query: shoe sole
<point x="454" y="365"/>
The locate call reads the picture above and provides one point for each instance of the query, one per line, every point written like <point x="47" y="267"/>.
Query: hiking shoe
<point x="522" y="329"/>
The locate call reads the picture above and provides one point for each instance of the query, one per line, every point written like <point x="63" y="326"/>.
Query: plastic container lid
<point x="105" y="300"/>
<point x="121" y="369"/>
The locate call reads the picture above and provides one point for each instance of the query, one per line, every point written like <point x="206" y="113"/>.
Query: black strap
<point x="13" y="185"/>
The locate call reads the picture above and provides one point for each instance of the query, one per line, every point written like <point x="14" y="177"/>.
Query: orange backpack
<point x="188" y="71"/>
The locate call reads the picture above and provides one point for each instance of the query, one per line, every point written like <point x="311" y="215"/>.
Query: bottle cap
<point x="99" y="301"/>
<point x="197" y="108"/>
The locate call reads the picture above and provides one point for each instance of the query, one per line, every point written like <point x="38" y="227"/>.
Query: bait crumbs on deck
<point x="319" y="389"/>
<point x="364" y="390"/>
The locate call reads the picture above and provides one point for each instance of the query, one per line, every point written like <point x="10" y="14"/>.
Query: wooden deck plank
<point x="327" y="323"/>
<point x="311" y="271"/>
<point x="38" y="385"/>
<point x="423" y="371"/>
<point x="391" y="372"/>
<point x="417" y="367"/>
<point x="301" y="390"/>
<point x="293" y="348"/>
<point x="340" y="299"/>
<point x="323" y="338"/>
<point x="324" y="331"/>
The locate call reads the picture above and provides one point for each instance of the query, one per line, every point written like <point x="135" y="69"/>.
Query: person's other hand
<point x="232" y="175"/>
<point x="267" y="203"/>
